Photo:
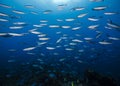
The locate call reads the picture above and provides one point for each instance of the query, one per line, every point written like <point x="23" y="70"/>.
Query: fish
<point x="17" y="34"/>
<point x="82" y="15"/>
<point x="70" y="19"/>
<point x="93" y="26"/>
<point x="29" y="6"/>
<point x="50" y="48"/>
<point x="80" y="61"/>
<point x="3" y="20"/>
<point x="99" y="8"/>
<point x="35" y="32"/>
<point x="61" y="7"/>
<point x="18" y="12"/>
<point x="68" y="49"/>
<point x="88" y="39"/>
<point x="93" y="19"/>
<point x="113" y="25"/>
<point x="3" y="14"/>
<point x="113" y="38"/>
<point x="76" y="28"/>
<point x="5" y="35"/>
<point x="66" y="27"/>
<point x="110" y="13"/>
<point x="77" y="8"/>
<point x="54" y="26"/>
<point x="5" y="6"/>
<point x="59" y="20"/>
<point x="16" y="27"/>
<point x="20" y="23"/>
<point x="44" y="39"/>
<point x="98" y="34"/>
<point x="59" y="40"/>
<point x="72" y="44"/>
<point x="35" y="13"/>
<point x="77" y="40"/>
<point x="43" y="21"/>
<point x="37" y="26"/>
<point x="41" y="35"/>
<point x="29" y="48"/>
<point x="47" y="11"/>
<point x="41" y="43"/>
<point x="62" y="59"/>
<point x="105" y="43"/>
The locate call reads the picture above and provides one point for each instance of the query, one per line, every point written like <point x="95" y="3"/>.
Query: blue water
<point x="102" y="58"/>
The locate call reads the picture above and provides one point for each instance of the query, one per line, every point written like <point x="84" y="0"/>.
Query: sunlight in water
<point x="60" y="1"/>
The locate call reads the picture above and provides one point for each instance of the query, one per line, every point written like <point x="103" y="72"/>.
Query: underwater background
<point x="65" y="36"/>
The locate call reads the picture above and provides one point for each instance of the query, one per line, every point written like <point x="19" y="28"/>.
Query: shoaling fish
<point x="99" y="8"/>
<point x="29" y="48"/>
<point x="5" y="6"/>
<point x="113" y="25"/>
<point x="105" y="43"/>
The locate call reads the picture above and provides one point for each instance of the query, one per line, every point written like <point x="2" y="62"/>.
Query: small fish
<point x="59" y="20"/>
<point x="113" y="38"/>
<point x="59" y="40"/>
<point x="50" y="48"/>
<point x="68" y="49"/>
<point x="93" y="26"/>
<point x="29" y="6"/>
<point x="70" y="19"/>
<point x="29" y="48"/>
<point x="72" y="44"/>
<point x="35" y="13"/>
<point x="47" y="11"/>
<point x="82" y="15"/>
<point x="93" y="19"/>
<point x="80" y="61"/>
<point x="15" y="27"/>
<point x="20" y="23"/>
<point x="61" y="7"/>
<point x="41" y="43"/>
<point x="44" y="39"/>
<point x="35" y="32"/>
<point x="16" y="34"/>
<point x="98" y="34"/>
<point x="66" y="27"/>
<point x="77" y="8"/>
<point x="77" y="40"/>
<point x="42" y="35"/>
<point x="5" y="35"/>
<point x="113" y="25"/>
<point x="62" y="59"/>
<point x="3" y="20"/>
<point x="104" y="43"/>
<point x="43" y="21"/>
<point x="99" y="8"/>
<point x="88" y="39"/>
<point x="3" y="14"/>
<point x="110" y="13"/>
<point x="5" y="6"/>
<point x="37" y="26"/>
<point x="76" y="28"/>
<point x="18" y="12"/>
<point x="54" y="26"/>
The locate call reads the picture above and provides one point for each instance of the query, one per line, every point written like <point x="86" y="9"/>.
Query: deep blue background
<point x="105" y="58"/>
